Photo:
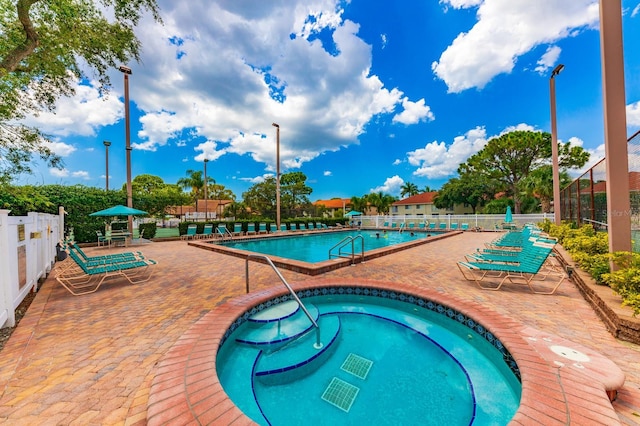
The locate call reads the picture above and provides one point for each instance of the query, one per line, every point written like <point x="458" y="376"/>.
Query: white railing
<point x="27" y="254"/>
<point x="485" y="222"/>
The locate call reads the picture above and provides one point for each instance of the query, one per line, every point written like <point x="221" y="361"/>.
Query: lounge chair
<point x="464" y="226"/>
<point x="324" y="226"/>
<point x="302" y="226"/>
<point x="385" y="225"/>
<point x="454" y="226"/>
<point x="85" y="278"/>
<point x="251" y="228"/>
<point x="102" y="240"/>
<point x="237" y="229"/>
<point x="442" y="225"/>
<point x="191" y="232"/>
<point x="262" y="228"/>
<point x="432" y="225"/>
<point x="221" y="231"/>
<point x="207" y="231"/>
<point x="394" y="225"/>
<point x="283" y="227"/>
<point x="411" y="226"/>
<point x="422" y="226"/>
<point x="273" y="228"/>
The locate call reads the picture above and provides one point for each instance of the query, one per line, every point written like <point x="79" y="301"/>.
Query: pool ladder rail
<point x="318" y="344"/>
<point x="345" y="242"/>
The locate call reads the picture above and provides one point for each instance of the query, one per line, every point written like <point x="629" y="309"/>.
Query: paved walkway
<point x="90" y="359"/>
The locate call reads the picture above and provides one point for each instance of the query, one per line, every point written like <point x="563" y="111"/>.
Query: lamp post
<point x="107" y="144"/>
<point x="127" y="130"/>
<point x="206" y="199"/>
<point x="554" y="145"/>
<point x="277" y="126"/>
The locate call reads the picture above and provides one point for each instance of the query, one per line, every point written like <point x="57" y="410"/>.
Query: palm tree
<point x="381" y="201"/>
<point x="193" y="181"/>
<point x="539" y="183"/>
<point x="409" y="189"/>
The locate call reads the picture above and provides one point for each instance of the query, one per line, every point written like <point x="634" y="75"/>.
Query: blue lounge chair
<point x="85" y="278"/>
<point x="303" y="227"/>
<point x="464" y="226"/>
<point x="454" y="226"/>
<point x="191" y="232"/>
<point x="207" y="231"/>
<point x="237" y="229"/>
<point x="421" y="225"/>
<point x="222" y="232"/>
<point x="443" y="225"/>
<point x="411" y="226"/>
<point x="251" y="228"/>
<point x="273" y="228"/>
<point x="432" y="225"/>
<point x="283" y="227"/>
<point x="262" y="228"/>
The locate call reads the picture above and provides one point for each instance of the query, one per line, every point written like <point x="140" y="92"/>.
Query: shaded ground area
<point x="90" y="359"/>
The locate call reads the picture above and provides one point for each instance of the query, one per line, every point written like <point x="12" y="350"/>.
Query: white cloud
<point x="414" y="112"/>
<point x="257" y="179"/>
<point x="62" y="149"/>
<point x="633" y="114"/>
<point x="397" y="162"/>
<point x="209" y="151"/>
<point x="635" y="11"/>
<point x="384" y="40"/>
<point x="59" y="172"/>
<point x="82" y="114"/>
<point x="390" y="186"/>
<point x="436" y="160"/>
<point x="505" y="30"/>
<point x="81" y="174"/>
<point x="237" y="69"/>
<point x="548" y="59"/>
<point x="327" y="173"/>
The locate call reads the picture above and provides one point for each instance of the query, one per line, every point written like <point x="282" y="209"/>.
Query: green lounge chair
<point x="207" y="231"/>
<point x="191" y="232"/>
<point x="85" y="278"/>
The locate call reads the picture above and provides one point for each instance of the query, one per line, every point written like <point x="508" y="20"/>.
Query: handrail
<point x="318" y="343"/>
<point x="346" y="240"/>
<point x="596" y="222"/>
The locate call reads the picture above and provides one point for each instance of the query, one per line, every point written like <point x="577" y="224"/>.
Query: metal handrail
<point x="346" y="240"/>
<point x="318" y="343"/>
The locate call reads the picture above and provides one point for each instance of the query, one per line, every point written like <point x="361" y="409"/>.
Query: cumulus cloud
<point x="633" y="114"/>
<point x="390" y="186"/>
<point x="414" y="112"/>
<point x="59" y="172"/>
<point x="504" y="31"/>
<point x="238" y="67"/>
<point x="437" y="160"/>
<point x="82" y="114"/>
<point x="548" y="59"/>
<point x="62" y="149"/>
<point x="327" y="173"/>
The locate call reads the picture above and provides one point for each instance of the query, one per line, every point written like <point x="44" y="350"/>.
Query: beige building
<point x="422" y="205"/>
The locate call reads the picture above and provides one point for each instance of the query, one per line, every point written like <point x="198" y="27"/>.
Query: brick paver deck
<point x="92" y="359"/>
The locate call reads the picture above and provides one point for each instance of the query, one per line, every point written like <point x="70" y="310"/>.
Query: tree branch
<point x="12" y="60"/>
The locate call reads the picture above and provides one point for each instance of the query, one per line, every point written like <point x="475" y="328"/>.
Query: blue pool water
<point x="382" y="362"/>
<point x="314" y="247"/>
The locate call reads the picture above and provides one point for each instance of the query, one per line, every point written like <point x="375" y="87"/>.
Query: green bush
<point x="626" y="280"/>
<point x="589" y="244"/>
<point x="148" y="230"/>
<point x="595" y="265"/>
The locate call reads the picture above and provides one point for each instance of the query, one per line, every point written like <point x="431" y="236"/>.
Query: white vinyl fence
<point x="484" y="222"/>
<point x="27" y="254"/>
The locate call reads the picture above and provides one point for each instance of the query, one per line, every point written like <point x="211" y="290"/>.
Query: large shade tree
<point x="45" y="48"/>
<point x="511" y="157"/>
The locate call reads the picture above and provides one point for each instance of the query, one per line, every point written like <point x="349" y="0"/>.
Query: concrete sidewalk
<point x="90" y="359"/>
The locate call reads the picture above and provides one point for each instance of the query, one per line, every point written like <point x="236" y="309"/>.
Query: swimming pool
<point x="425" y="363"/>
<point x="308" y="253"/>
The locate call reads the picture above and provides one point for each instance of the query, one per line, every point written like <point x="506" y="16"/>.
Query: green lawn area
<point x="167" y="232"/>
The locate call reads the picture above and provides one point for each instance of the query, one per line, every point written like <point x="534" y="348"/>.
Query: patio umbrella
<point x="119" y="210"/>
<point x="353" y="213"/>
<point x="508" y="218"/>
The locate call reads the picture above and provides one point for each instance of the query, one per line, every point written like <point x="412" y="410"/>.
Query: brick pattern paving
<point x="92" y="359"/>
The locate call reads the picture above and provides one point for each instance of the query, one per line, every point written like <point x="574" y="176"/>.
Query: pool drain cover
<point x="341" y="394"/>
<point x="357" y="366"/>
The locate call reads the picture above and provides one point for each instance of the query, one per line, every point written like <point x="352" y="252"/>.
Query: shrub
<point x="148" y="230"/>
<point x="595" y="265"/>
<point x="626" y="280"/>
<point x="582" y="242"/>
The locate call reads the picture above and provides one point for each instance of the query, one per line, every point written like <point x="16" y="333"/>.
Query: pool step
<point x="276" y="313"/>
<point x="270" y="334"/>
<point x="300" y="357"/>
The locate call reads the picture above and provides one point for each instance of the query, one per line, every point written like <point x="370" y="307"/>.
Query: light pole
<point x="554" y="145"/>
<point x="277" y="126"/>
<point x="107" y="144"/>
<point x="206" y="199"/>
<point x="127" y="130"/>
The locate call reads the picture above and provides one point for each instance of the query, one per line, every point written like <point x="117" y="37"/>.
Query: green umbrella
<point x="508" y="218"/>
<point x="119" y="210"/>
<point x="353" y="213"/>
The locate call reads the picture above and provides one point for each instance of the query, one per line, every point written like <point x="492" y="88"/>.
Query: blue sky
<point x="369" y="94"/>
